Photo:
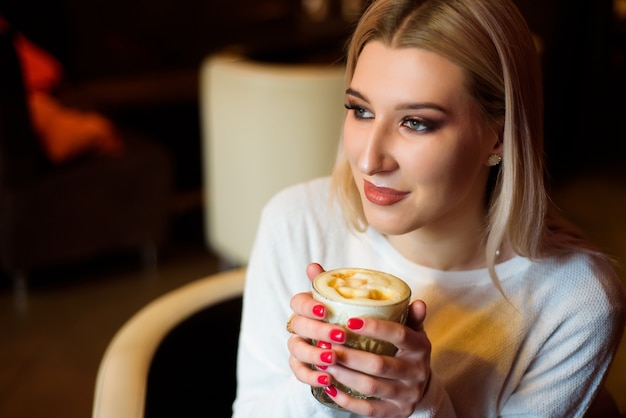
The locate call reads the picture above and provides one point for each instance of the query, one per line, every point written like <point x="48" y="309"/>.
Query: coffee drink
<point x="356" y="292"/>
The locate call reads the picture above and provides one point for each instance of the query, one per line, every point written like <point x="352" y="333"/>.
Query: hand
<point x="306" y="324"/>
<point x="399" y="382"/>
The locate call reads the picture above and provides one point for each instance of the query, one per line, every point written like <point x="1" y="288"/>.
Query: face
<point x="416" y="143"/>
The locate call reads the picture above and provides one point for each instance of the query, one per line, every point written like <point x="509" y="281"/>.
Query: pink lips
<point x="383" y="196"/>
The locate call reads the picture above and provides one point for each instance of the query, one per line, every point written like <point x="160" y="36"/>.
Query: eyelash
<point x="356" y="110"/>
<point x="427" y="126"/>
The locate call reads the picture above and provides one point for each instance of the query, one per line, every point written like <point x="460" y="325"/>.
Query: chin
<point x="388" y="225"/>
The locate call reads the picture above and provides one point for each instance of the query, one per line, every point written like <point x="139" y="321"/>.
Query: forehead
<point x="407" y="74"/>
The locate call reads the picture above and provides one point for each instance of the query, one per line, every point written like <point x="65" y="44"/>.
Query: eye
<point x="418" y="124"/>
<point x="359" y="112"/>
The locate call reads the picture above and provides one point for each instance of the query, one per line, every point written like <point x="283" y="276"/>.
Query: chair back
<point x="151" y="365"/>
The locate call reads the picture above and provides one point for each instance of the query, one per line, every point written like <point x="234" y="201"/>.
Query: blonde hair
<point x="491" y="42"/>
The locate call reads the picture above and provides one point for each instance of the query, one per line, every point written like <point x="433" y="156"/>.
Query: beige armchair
<point x="264" y="126"/>
<point x="126" y="373"/>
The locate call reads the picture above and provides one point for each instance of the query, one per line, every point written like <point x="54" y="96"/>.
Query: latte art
<point x="361" y="287"/>
<point x="356" y="292"/>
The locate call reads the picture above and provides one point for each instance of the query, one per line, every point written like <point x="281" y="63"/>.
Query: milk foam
<point x="361" y="287"/>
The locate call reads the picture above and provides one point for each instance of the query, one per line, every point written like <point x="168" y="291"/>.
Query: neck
<point x="464" y="251"/>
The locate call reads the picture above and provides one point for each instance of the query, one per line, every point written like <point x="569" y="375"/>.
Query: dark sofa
<point x="59" y="213"/>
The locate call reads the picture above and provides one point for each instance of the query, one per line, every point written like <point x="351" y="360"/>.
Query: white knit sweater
<point x="543" y="353"/>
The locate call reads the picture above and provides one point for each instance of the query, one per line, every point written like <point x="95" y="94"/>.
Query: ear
<point x="497" y="147"/>
<point x="498" y="144"/>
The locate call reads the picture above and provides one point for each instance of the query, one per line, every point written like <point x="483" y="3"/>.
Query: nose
<point x="376" y="155"/>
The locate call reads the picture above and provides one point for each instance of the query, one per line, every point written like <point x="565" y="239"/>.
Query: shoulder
<point x="588" y="274"/>
<point x="576" y="272"/>
<point x="579" y="283"/>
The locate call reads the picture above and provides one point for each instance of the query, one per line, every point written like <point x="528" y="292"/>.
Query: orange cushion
<point x="66" y="133"/>
<point x="41" y="71"/>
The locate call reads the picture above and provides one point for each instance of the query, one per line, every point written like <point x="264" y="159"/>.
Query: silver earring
<point x="494" y="159"/>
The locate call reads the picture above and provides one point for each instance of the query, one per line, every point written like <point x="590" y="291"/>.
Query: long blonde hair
<point x="491" y="42"/>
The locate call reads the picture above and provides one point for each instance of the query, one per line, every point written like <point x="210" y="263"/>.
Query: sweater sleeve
<point x="583" y="327"/>
<point x="435" y="403"/>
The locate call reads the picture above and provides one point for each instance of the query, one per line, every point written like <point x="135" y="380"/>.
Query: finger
<point x="304" y="373"/>
<point x="321" y="356"/>
<point x="313" y="270"/>
<point x="408" y="341"/>
<point x="315" y="329"/>
<point x="362" y="383"/>
<point x="359" y="363"/>
<point x="304" y="304"/>
<point x="417" y="314"/>
<point x="381" y="330"/>
<point x="370" y="408"/>
<point x="378" y="376"/>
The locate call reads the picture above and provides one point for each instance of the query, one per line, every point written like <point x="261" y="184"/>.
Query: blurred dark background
<point x="138" y="61"/>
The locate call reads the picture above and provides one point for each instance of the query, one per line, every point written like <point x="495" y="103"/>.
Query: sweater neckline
<point x="504" y="270"/>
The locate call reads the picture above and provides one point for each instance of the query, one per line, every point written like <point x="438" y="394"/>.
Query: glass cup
<point x="357" y="292"/>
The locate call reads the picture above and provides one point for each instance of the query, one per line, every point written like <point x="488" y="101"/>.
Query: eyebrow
<point x="425" y="105"/>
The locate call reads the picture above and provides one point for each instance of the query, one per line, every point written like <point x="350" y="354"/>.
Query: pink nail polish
<point x="337" y="335"/>
<point x="323" y="380"/>
<point x="322" y="367"/>
<point x="355" y="323"/>
<point x="331" y="391"/>
<point x="327" y="357"/>
<point x="319" y="311"/>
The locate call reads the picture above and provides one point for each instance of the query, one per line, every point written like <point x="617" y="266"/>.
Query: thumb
<point x="417" y="314"/>
<point x="313" y="270"/>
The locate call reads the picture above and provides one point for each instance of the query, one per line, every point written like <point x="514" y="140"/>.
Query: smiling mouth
<point x="383" y="196"/>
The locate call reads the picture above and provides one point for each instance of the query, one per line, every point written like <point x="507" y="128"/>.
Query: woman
<point x="440" y="182"/>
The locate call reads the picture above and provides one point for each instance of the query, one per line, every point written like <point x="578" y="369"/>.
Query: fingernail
<point x="325" y="345"/>
<point x="327" y="357"/>
<point x="322" y="367"/>
<point x="354" y="323"/>
<point x="337" y="335"/>
<point x="319" y="311"/>
<point x="323" y="380"/>
<point x="331" y="391"/>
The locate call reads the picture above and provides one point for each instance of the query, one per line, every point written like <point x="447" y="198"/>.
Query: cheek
<point x="463" y="170"/>
<point x="445" y="169"/>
